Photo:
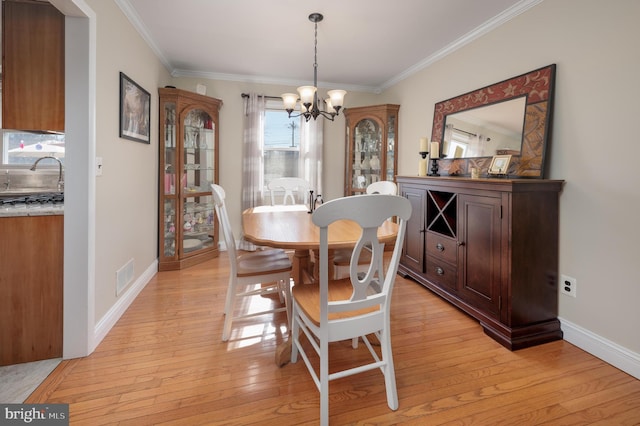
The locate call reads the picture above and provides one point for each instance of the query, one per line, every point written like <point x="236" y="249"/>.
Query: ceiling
<point x="363" y="45"/>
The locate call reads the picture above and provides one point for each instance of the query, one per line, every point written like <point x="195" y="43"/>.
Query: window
<point x="281" y="143"/>
<point x="458" y="144"/>
<point x="22" y="149"/>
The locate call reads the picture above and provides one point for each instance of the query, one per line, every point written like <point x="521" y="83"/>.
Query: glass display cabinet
<point x="372" y="146"/>
<point x="188" y="232"/>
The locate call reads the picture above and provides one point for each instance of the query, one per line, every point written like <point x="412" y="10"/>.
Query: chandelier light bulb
<point x="306" y="94"/>
<point x="336" y="98"/>
<point x="289" y="100"/>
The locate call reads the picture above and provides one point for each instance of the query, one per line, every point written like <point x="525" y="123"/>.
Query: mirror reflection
<point x="494" y="129"/>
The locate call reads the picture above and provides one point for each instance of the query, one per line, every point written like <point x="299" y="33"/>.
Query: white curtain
<point x="311" y="137"/>
<point x="252" y="158"/>
<point x="252" y="151"/>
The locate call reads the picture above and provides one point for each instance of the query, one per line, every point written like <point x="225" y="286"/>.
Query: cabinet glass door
<point x="198" y="175"/>
<point x="391" y="148"/>
<point x="367" y="141"/>
<point x="169" y="181"/>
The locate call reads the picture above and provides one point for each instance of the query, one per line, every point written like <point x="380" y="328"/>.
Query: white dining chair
<point x="252" y="274"/>
<point x="349" y="309"/>
<point x="385" y="187"/>
<point x="343" y="257"/>
<point x="290" y="186"/>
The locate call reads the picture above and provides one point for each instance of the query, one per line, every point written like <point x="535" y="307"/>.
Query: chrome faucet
<point x="60" y="179"/>
<point x="7" y="181"/>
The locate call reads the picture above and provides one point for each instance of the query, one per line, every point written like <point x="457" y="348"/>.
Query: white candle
<point x="422" y="167"/>
<point x="435" y="150"/>
<point x="424" y="144"/>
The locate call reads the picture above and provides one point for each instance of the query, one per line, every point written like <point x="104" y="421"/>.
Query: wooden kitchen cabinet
<point x="32" y="66"/>
<point x="490" y="247"/>
<point x="188" y="231"/>
<point x="31" y="288"/>
<point x="371" y="146"/>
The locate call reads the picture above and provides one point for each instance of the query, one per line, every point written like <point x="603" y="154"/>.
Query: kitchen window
<point x="20" y="149"/>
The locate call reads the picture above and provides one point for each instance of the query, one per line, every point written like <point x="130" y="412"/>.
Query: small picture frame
<point x="499" y="165"/>
<point x="135" y="111"/>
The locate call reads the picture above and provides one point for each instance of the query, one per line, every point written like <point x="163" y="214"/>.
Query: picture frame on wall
<point x="135" y="111"/>
<point x="499" y="165"/>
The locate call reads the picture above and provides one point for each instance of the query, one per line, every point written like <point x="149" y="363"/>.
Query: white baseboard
<point x="611" y="353"/>
<point x="107" y="322"/>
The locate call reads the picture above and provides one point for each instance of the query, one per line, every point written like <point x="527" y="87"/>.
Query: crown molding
<point x="478" y="32"/>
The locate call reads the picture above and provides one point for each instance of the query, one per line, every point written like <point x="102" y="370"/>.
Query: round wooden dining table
<point x="290" y="227"/>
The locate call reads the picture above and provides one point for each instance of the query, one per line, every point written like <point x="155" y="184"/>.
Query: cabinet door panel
<point x="479" y="251"/>
<point x="413" y="250"/>
<point x="33" y="66"/>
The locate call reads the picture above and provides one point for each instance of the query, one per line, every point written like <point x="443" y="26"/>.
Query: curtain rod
<point x="246" y="95"/>
<point x="464" y="131"/>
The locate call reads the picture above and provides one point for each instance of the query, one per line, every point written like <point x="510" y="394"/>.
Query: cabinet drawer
<point x="441" y="273"/>
<point x="441" y="247"/>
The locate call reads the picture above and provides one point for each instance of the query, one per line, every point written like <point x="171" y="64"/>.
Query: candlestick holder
<point x="422" y="164"/>
<point x="434" y="167"/>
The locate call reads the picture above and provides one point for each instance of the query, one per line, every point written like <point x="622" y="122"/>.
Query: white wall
<point x="126" y="193"/>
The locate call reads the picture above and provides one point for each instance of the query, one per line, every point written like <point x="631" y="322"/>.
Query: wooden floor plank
<point x="164" y="363"/>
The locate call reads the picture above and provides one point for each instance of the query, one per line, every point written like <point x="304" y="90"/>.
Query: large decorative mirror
<point x="510" y="117"/>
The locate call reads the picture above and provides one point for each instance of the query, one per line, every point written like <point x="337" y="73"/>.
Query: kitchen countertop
<point x="31" y="201"/>
<point x="16" y="210"/>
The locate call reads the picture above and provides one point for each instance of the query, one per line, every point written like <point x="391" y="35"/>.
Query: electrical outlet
<point x="568" y="285"/>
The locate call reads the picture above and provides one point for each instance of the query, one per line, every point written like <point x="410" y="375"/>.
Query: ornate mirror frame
<point x="538" y="86"/>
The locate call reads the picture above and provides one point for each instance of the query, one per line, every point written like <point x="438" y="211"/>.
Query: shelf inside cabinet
<point x="442" y="213"/>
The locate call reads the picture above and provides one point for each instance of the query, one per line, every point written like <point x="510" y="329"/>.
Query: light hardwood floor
<point x="164" y="363"/>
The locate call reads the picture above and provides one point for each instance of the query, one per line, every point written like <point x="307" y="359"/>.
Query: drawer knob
<point x="439" y="247"/>
<point x="460" y="243"/>
<point x="439" y="271"/>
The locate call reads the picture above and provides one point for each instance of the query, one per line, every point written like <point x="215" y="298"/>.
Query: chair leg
<point x="295" y="332"/>
<point x="389" y="370"/>
<point x="286" y="290"/>
<point x="324" y="382"/>
<point x="228" y="310"/>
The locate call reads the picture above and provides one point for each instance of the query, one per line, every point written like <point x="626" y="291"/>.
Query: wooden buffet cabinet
<point x="490" y="247"/>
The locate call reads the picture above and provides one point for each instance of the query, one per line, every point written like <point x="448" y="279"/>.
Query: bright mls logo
<point x="36" y="414"/>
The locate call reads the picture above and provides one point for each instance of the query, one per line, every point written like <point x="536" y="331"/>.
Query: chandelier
<point x="309" y="101"/>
